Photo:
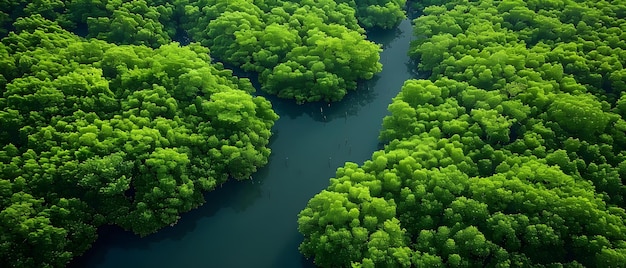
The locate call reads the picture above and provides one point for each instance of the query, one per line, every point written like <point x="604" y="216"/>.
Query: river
<point x="254" y="223"/>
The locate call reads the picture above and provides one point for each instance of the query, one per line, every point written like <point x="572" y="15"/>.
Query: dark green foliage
<point x="458" y="196"/>
<point x="127" y="22"/>
<point x="308" y="51"/>
<point x="512" y="154"/>
<point x="139" y="22"/>
<point x="313" y="50"/>
<point x="374" y="13"/>
<point x="95" y="133"/>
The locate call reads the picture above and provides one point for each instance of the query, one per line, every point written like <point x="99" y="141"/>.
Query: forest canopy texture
<point x="95" y="133"/>
<point x="511" y="154"/>
<point x="116" y="113"/>
<point x="307" y="51"/>
<point x="311" y="50"/>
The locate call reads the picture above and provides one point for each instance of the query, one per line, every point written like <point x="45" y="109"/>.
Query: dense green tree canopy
<point x="95" y="133"/>
<point x="279" y="40"/>
<point x="382" y="14"/>
<point x="307" y="51"/>
<point x="511" y="154"/>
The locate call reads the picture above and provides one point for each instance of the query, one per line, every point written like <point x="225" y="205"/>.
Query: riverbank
<point x="253" y="223"/>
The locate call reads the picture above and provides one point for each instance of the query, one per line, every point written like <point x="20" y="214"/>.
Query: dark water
<point x="254" y="224"/>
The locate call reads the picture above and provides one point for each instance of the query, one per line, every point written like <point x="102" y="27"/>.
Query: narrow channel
<point x="254" y="223"/>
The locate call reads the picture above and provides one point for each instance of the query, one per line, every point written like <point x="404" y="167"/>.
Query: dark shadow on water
<point x="411" y="67"/>
<point x="324" y="111"/>
<point x="349" y="105"/>
<point x="307" y="263"/>
<point x="289" y="250"/>
<point x="107" y="235"/>
<point x="321" y="111"/>
<point x="384" y="37"/>
<point x="237" y="195"/>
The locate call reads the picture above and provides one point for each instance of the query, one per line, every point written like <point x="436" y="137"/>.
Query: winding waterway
<point x="254" y="223"/>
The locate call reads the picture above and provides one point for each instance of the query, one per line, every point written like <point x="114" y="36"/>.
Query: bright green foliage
<point x="94" y="133"/>
<point x="541" y="71"/>
<point x="31" y="233"/>
<point x="512" y="154"/>
<point x="550" y="39"/>
<point x="127" y="22"/>
<point x="381" y="14"/>
<point x="307" y="51"/>
<point x="312" y="50"/>
<point x="580" y="115"/>
<point x="139" y="22"/>
<point x="526" y="212"/>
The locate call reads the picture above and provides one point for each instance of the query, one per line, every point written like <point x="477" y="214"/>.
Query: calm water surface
<point x="254" y="224"/>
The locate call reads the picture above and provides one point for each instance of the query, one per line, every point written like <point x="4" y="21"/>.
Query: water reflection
<point x="384" y="37"/>
<point x="320" y="111"/>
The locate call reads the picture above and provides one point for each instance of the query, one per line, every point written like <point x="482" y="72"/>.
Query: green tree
<point x="95" y="133"/>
